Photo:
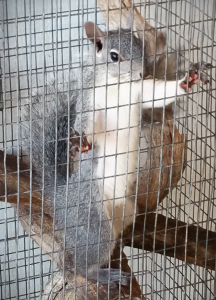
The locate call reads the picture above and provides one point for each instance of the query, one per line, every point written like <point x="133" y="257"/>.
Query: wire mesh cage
<point x="173" y="254"/>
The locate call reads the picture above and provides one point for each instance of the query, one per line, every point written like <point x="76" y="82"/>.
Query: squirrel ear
<point x="95" y="37"/>
<point x="129" y="20"/>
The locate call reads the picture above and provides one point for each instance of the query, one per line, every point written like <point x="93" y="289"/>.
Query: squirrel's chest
<point x="114" y="95"/>
<point x="114" y="105"/>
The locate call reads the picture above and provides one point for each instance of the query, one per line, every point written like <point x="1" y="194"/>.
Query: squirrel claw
<point x="193" y="76"/>
<point x="75" y="144"/>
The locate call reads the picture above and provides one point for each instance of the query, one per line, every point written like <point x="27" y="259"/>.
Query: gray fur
<point x="81" y="207"/>
<point x="81" y="200"/>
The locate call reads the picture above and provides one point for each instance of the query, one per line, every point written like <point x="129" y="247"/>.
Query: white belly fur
<point x="120" y="151"/>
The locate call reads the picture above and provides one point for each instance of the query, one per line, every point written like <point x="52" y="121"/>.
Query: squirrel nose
<point x="144" y="72"/>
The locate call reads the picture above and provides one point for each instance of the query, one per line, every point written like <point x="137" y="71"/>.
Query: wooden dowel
<point x="171" y="236"/>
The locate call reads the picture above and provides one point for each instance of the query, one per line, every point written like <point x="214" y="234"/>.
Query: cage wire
<point x="40" y="40"/>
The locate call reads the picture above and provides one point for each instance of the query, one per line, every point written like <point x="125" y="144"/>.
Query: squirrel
<point x="104" y="101"/>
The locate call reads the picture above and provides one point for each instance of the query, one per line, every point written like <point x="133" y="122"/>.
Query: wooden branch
<point x="171" y="239"/>
<point x="54" y="290"/>
<point x="174" y="156"/>
<point x="12" y="176"/>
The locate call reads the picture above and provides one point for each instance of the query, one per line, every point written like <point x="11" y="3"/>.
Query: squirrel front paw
<point x="75" y="144"/>
<point x="193" y="76"/>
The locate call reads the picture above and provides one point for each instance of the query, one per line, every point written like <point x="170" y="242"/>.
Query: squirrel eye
<point x="114" y="56"/>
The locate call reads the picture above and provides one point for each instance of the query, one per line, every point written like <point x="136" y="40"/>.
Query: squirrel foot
<point x="75" y="144"/>
<point x="193" y="75"/>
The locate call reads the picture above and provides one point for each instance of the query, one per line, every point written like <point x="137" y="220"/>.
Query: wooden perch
<point x="172" y="238"/>
<point x="174" y="156"/>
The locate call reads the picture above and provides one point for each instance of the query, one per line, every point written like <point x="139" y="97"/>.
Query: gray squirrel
<point x="105" y="100"/>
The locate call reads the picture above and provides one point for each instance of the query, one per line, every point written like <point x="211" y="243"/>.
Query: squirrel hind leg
<point x="114" y="276"/>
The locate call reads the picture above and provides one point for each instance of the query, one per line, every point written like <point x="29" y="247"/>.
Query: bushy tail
<point x="45" y="122"/>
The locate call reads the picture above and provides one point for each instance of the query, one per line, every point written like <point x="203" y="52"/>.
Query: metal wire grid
<point x="195" y="192"/>
<point x="192" y="200"/>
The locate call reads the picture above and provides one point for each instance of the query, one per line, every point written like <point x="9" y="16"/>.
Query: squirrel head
<point x="120" y="49"/>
